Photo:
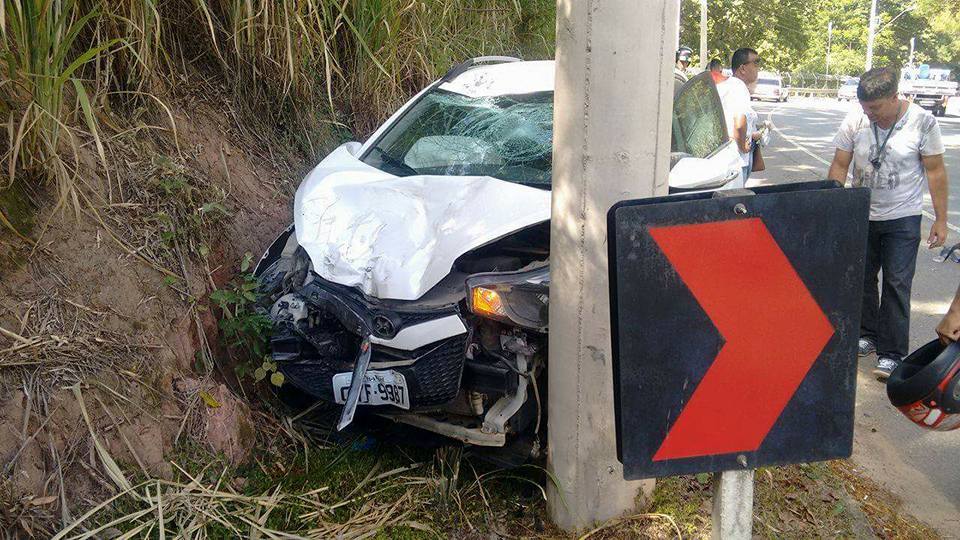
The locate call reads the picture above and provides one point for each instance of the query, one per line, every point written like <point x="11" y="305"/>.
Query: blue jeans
<point x="891" y="247"/>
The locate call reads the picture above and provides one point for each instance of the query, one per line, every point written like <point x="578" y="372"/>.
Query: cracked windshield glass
<point x="506" y="137"/>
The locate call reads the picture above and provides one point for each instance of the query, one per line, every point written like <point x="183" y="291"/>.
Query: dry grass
<point x="64" y="341"/>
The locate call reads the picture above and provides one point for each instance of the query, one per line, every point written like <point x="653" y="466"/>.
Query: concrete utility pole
<point x="829" y="42"/>
<point x="703" y="35"/>
<point x="871" y="34"/>
<point x="612" y="118"/>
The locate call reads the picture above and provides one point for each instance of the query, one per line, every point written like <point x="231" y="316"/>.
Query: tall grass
<point x="289" y="62"/>
<point x="42" y="56"/>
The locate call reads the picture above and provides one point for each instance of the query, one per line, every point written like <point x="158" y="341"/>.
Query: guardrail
<point x="813" y="92"/>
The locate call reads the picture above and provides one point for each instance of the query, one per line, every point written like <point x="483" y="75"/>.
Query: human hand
<point x="949" y="327"/>
<point x="938" y="234"/>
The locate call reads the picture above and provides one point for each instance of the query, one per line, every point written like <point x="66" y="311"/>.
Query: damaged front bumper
<point x="414" y="362"/>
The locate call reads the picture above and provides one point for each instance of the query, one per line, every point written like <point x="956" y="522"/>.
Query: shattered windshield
<point x="507" y="137"/>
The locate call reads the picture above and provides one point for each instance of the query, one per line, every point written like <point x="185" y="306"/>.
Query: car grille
<point x="433" y="380"/>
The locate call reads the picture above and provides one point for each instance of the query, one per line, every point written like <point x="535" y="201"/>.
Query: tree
<point x="791" y="35"/>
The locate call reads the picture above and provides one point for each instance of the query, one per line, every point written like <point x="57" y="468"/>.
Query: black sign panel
<point x="735" y="319"/>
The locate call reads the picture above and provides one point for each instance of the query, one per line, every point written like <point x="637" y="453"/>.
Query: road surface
<point x="922" y="467"/>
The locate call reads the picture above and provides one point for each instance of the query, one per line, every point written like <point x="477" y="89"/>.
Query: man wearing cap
<point x="893" y="146"/>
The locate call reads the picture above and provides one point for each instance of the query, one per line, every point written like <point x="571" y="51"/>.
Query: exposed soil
<point x="111" y="307"/>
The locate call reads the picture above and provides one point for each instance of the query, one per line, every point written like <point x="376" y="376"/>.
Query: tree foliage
<point x="792" y="35"/>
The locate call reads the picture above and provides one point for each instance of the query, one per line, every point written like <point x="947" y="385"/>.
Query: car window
<point x="773" y="82"/>
<point x="511" y="137"/>
<point x="699" y="128"/>
<point x="445" y="133"/>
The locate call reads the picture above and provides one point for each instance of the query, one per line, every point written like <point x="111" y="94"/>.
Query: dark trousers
<point x="891" y="247"/>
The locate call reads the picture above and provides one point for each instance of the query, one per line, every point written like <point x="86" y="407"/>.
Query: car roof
<point x="507" y="78"/>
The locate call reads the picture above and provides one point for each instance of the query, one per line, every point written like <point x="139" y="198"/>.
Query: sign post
<point x="735" y="318"/>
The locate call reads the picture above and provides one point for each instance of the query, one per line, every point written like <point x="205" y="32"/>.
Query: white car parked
<point x="848" y="90"/>
<point x="414" y="281"/>
<point x="769" y="86"/>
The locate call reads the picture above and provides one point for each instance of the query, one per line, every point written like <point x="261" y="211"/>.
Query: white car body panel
<point x="396" y="237"/>
<point x="504" y="79"/>
<point x="413" y="337"/>
<point x="724" y="168"/>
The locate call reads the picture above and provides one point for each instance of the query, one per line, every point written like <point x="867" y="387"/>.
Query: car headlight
<point x="520" y="298"/>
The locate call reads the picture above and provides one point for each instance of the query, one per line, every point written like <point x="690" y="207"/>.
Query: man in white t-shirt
<point x="893" y="146"/>
<point x="737" y="109"/>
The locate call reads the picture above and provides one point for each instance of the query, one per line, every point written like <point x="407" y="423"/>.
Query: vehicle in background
<point x="928" y="87"/>
<point x="769" y="87"/>
<point x="414" y="281"/>
<point x="848" y="90"/>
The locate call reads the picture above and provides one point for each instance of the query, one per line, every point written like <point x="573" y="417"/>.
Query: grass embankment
<point x="78" y="72"/>
<point x="95" y="95"/>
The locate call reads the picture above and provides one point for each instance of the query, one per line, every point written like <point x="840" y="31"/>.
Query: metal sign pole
<point x="733" y="505"/>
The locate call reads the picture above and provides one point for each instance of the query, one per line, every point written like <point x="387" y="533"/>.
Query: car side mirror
<point x="692" y="173"/>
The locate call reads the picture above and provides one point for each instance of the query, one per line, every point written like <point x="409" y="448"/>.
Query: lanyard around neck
<point x="876" y="136"/>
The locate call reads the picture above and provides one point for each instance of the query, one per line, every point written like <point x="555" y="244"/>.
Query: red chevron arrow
<point x="773" y="331"/>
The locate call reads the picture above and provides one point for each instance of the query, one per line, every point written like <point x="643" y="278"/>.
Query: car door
<point x="702" y="156"/>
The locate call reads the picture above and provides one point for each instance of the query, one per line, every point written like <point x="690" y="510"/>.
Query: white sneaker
<point x="866" y="347"/>
<point x="884" y="368"/>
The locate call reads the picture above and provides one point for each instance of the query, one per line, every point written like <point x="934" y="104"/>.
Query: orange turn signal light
<point x="487" y="302"/>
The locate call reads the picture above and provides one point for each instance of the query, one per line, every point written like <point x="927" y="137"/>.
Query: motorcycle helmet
<point x="684" y="54"/>
<point x="926" y="386"/>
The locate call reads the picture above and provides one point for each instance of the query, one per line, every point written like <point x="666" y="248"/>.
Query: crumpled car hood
<point x="396" y="237"/>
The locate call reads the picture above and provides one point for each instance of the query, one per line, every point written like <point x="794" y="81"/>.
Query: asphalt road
<point x="923" y="467"/>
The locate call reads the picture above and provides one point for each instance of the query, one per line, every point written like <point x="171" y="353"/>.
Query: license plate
<point x="379" y="388"/>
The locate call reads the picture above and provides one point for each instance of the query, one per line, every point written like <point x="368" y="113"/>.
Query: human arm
<point x="937" y="182"/>
<point x="840" y="166"/>
<point x="949" y="327"/>
<point x="740" y="133"/>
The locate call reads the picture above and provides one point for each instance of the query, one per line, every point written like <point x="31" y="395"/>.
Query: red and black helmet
<point x="926" y="386"/>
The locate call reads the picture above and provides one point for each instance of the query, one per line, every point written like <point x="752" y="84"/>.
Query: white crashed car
<point x="414" y="279"/>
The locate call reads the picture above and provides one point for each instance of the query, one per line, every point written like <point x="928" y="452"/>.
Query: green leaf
<point x="204" y="250"/>
<point x="250" y="296"/>
<point x="703" y="478"/>
<point x="91" y="122"/>
<point x="276" y="379"/>
<point x="259" y="374"/>
<point x="247" y="259"/>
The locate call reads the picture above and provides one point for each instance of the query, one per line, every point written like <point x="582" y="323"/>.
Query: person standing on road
<point x="680" y="68"/>
<point x="893" y="146"/>
<point x="716" y="71"/>
<point x="737" y="109"/>
<point x="682" y="57"/>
